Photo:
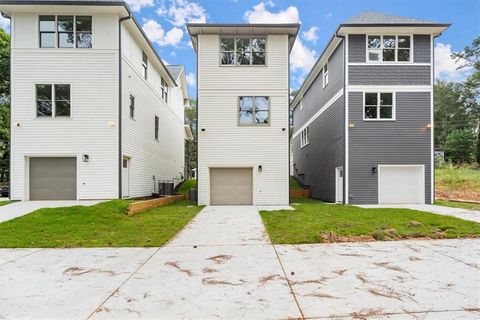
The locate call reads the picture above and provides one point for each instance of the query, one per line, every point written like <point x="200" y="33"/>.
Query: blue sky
<point x="164" y="22"/>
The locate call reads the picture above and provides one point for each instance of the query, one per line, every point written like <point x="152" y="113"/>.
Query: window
<point x="304" y="139"/>
<point x="164" y="86"/>
<point x="301" y="104"/>
<point x="325" y="75"/>
<point x="378" y="106"/>
<point x="132" y="106"/>
<point x="253" y="111"/>
<point x="144" y="65"/>
<point x="65" y="31"/>
<point x="387" y="48"/>
<point x="53" y="100"/>
<point x="242" y="51"/>
<point x="157" y="125"/>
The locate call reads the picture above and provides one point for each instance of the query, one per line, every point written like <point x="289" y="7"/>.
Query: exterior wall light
<point x="429" y="126"/>
<point x="260" y="168"/>
<point x="16" y="124"/>
<point x="374" y="170"/>
<point x="111" y="124"/>
<point x="85" y="158"/>
<point x="351" y="125"/>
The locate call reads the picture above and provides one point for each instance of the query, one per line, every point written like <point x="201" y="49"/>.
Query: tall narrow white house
<point x="95" y="113"/>
<point x="243" y="112"/>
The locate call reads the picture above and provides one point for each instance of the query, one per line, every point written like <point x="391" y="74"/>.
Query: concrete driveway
<point x="21" y="208"/>
<point x="222" y="266"/>
<point x="465" y="214"/>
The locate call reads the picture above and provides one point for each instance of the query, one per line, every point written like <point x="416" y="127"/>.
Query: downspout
<point x="432" y="162"/>
<point x="10" y="115"/>
<point x="345" y="165"/>
<point x="196" y="129"/>
<point x="120" y="155"/>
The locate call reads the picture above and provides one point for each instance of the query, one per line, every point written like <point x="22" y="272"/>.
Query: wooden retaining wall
<point x="140" y="206"/>
<point x="302" y="193"/>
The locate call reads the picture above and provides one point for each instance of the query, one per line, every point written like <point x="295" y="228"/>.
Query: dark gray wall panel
<point x="315" y="164"/>
<point x="53" y="178"/>
<point x="404" y="141"/>
<point x="421" y="52"/>
<point x="316" y="96"/>
<point x="389" y="75"/>
<point x="357" y="48"/>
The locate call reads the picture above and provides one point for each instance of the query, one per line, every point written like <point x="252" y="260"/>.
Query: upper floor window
<point x="132" y="106"/>
<point x="378" y="106"/>
<point x="144" y="65"/>
<point x="164" y="86"/>
<point x="387" y="48"/>
<point x="301" y="104"/>
<point x="304" y="139"/>
<point x="53" y="100"/>
<point x="325" y="74"/>
<point x="157" y="126"/>
<point x="65" y="31"/>
<point x="242" y="51"/>
<point x="254" y="111"/>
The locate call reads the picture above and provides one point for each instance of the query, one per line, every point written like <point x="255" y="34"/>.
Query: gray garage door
<point x="53" y="179"/>
<point x="231" y="186"/>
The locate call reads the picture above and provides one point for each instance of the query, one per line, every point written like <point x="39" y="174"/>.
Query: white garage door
<point x="231" y="186"/>
<point x="401" y="184"/>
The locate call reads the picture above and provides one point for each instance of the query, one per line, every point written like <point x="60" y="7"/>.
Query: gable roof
<point x="175" y="70"/>
<point x="369" y="17"/>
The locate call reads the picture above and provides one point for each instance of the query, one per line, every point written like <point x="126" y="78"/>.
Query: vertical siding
<point x="315" y="163"/>
<point x="357" y="48"/>
<point x="224" y="143"/>
<point x="162" y="158"/>
<point x="421" y="44"/>
<point x="404" y="141"/>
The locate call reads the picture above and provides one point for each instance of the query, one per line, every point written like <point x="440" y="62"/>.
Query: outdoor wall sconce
<point x="260" y="168"/>
<point x="203" y="129"/>
<point x="85" y="158"/>
<point x="429" y="126"/>
<point x="374" y="170"/>
<point x="16" y="124"/>
<point x="283" y="129"/>
<point x="351" y="125"/>
<point x="111" y="124"/>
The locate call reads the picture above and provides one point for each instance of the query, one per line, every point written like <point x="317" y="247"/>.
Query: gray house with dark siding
<point x="363" y="118"/>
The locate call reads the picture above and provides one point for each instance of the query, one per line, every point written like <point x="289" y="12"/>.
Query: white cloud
<point x="328" y="15"/>
<point x="191" y="79"/>
<point x="5" y="24"/>
<point x="260" y="14"/>
<point x="137" y="5"/>
<point x="446" y="66"/>
<point x="301" y="57"/>
<point x="157" y="34"/>
<point x="311" y="34"/>
<point x="183" y="11"/>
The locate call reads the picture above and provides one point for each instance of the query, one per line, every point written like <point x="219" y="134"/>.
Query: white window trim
<point x="394" y="108"/>
<point x="56" y="31"/>
<point x="325" y="74"/>
<point x="254" y="124"/>
<point x="301" y="104"/>
<point x="304" y="138"/>
<point x="396" y="49"/>
<point x="54" y="103"/>
<point x="235" y="51"/>
<point x="144" y="66"/>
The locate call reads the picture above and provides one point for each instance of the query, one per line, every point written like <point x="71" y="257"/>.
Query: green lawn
<point x="101" y="225"/>
<point x="314" y="221"/>
<point x="3" y="203"/>
<point x="294" y="185"/>
<point x="463" y="205"/>
<point x="457" y="183"/>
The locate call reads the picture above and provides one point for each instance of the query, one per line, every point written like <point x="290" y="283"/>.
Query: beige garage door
<point x="231" y="186"/>
<point x="53" y="179"/>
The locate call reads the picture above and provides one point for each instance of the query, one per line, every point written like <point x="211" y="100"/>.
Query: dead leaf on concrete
<point x="176" y="265"/>
<point x="220" y="258"/>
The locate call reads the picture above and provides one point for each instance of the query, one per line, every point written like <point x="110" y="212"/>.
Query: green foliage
<point x="4" y="105"/>
<point x="457" y="182"/>
<point x="101" y="225"/>
<point x="462" y="205"/>
<point x="312" y="220"/>
<point x="460" y="146"/>
<point x="294" y="185"/>
<point x="187" y="185"/>
<point x="191" y="146"/>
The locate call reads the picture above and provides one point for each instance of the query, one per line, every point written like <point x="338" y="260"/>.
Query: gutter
<point x="120" y="154"/>
<point x="10" y="144"/>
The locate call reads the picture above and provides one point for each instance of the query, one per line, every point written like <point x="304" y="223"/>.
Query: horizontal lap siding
<point x="357" y="48"/>
<point x="93" y="78"/>
<point x="389" y="75"/>
<point x="404" y="141"/>
<point x="224" y="143"/>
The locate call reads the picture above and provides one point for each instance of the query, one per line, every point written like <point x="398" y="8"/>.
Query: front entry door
<point x="339" y="185"/>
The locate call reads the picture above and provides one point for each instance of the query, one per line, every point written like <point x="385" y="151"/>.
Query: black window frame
<point x="53" y="100"/>
<point x="132" y="107"/>
<point x="40" y="32"/>
<point x="145" y="65"/>
<point x="57" y="34"/>
<point x="254" y="112"/>
<point x="235" y="51"/>
<point x="157" y="127"/>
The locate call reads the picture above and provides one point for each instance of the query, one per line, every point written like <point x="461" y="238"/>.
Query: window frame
<point x="164" y="89"/>
<point x="304" y="137"/>
<point x="157" y="128"/>
<point x="235" y="64"/>
<point x="57" y="33"/>
<point x="395" y="61"/>
<point x="394" y="109"/>
<point x="132" y="106"/>
<point x="53" y="100"/>
<point x="325" y="74"/>
<point x="144" y="65"/>
<point x="254" y="124"/>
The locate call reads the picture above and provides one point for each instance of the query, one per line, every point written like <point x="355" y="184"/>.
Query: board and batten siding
<point x="403" y="141"/>
<point x="162" y="158"/>
<point x="92" y="128"/>
<point x="226" y="144"/>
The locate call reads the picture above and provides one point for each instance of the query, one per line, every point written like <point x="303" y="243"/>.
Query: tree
<point x="460" y="146"/>
<point x="4" y="105"/>
<point x="191" y="146"/>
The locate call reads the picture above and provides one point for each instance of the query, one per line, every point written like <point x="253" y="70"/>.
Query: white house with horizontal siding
<point x="95" y="113"/>
<point x="243" y="112"/>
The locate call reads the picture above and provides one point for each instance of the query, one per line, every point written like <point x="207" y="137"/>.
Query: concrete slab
<point x="383" y="279"/>
<point x="10" y="255"/>
<point x="21" y="208"/>
<point x="64" y="283"/>
<point x="465" y="214"/>
<point x="207" y="282"/>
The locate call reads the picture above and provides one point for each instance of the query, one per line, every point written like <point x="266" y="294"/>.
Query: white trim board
<point x="319" y="112"/>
